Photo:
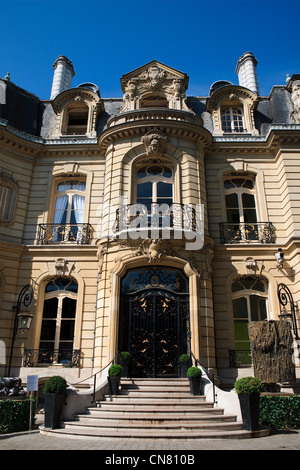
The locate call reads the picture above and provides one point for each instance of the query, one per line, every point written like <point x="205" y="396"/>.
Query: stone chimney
<point x="63" y="74"/>
<point x="246" y="71"/>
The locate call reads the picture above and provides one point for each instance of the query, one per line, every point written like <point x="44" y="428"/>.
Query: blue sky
<point x="106" y="39"/>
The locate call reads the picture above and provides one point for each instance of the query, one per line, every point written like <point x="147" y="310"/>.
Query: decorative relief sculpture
<point x="157" y="81"/>
<point x="295" y="114"/>
<point x="155" y="142"/>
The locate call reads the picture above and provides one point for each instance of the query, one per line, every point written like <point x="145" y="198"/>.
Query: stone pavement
<point x="33" y="440"/>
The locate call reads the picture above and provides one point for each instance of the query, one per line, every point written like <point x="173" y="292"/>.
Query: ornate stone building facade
<point x="147" y="223"/>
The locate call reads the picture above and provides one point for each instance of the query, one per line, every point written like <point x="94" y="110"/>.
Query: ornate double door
<point x="156" y="320"/>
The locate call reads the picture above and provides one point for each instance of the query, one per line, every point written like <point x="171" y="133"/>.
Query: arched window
<point x="241" y="208"/>
<point x="232" y="119"/>
<point x="154" y="101"/>
<point x="58" y="322"/>
<point x="154" y="184"/>
<point x="249" y="301"/>
<point x="68" y="210"/>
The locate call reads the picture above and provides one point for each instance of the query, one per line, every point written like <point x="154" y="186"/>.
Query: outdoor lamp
<point x="279" y="256"/>
<point x="24" y="321"/>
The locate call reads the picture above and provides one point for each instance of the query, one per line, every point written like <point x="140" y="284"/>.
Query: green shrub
<point x="248" y="385"/>
<point x="55" y="384"/>
<point x="280" y="412"/>
<point x="125" y="356"/>
<point x="14" y="415"/>
<point x="194" y="372"/>
<point x="115" y="369"/>
<point x="185" y="358"/>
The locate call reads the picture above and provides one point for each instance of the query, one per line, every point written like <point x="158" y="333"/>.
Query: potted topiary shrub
<point x="114" y="377"/>
<point x="248" y="390"/>
<point x="124" y="359"/>
<point x="54" y="397"/>
<point x="185" y="362"/>
<point x="194" y="375"/>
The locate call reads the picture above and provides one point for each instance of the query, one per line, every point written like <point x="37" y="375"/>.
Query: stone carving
<point x="295" y="114"/>
<point x="155" y="142"/>
<point x="156" y="80"/>
<point x="11" y="387"/>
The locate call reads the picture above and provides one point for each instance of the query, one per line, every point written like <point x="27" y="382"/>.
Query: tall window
<point x="241" y="208"/>
<point x="69" y="208"/>
<point x="232" y="120"/>
<point x="249" y="296"/>
<point x="154" y="184"/>
<point x="57" y="331"/>
<point x="7" y="201"/>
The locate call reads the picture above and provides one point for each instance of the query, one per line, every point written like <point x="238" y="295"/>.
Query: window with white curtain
<point x="69" y="209"/>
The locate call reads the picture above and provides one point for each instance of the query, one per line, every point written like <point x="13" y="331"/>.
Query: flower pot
<point x="114" y="382"/>
<point x="249" y="404"/>
<point x="184" y="366"/>
<point x="195" y="385"/>
<point x="53" y="404"/>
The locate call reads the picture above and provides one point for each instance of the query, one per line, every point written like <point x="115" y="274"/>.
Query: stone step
<point x="152" y="419"/>
<point x="143" y="398"/>
<point x="148" y="413"/>
<point x="144" y="405"/>
<point x="150" y="427"/>
<point x="138" y="434"/>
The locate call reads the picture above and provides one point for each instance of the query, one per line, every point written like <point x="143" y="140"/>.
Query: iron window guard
<point x="47" y="357"/>
<point x="256" y="232"/>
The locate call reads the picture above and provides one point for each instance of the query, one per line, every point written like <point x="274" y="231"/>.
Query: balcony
<point x="258" y="232"/>
<point x="157" y="220"/>
<point x="51" y="234"/>
<point x="45" y="357"/>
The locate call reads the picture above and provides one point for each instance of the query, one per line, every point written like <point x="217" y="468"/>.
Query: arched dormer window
<point x="77" y="111"/>
<point x="76" y="120"/>
<point x="232" y="109"/>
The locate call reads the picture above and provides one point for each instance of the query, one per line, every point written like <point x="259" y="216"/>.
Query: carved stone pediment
<point x="157" y="81"/>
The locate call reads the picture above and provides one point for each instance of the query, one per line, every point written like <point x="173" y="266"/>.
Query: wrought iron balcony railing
<point x="257" y="232"/>
<point x="154" y="216"/>
<point x="240" y="358"/>
<point x="50" y="234"/>
<point x="46" y="357"/>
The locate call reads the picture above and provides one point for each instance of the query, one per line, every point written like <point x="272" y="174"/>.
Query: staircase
<point x="152" y="409"/>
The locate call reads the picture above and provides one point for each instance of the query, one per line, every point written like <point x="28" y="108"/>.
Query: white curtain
<point x="78" y="206"/>
<point x="61" y="205"/>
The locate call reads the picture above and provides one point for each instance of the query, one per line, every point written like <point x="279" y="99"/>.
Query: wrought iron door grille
<point x="158" y="325"/>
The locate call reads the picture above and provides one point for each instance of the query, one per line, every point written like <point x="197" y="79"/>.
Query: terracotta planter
<point x="250" y="410"/>
<point x="53" y="404"/>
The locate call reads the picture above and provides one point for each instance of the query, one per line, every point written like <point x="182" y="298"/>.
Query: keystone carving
<point x="155" y="142"/>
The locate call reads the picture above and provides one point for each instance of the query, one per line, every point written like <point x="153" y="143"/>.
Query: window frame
<point x="10" y="201"/>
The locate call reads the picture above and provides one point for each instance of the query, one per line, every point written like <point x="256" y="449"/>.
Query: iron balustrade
<point x="256" y="232"/>
<point x="50" y="234"/>
<point x="181" y="217"/>
<point x="46" y="357"/>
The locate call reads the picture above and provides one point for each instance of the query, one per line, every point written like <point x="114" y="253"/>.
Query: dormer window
<point x="154" y="102"/>
<point x="77" y="121"/>
<point x="232" y="109"/>
<point x="232" y="120"/>
<point x="77" y="111"/>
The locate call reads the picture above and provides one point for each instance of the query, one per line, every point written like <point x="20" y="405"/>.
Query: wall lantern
<point x="279" y="255"/>
<point x="22" y="316"/>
